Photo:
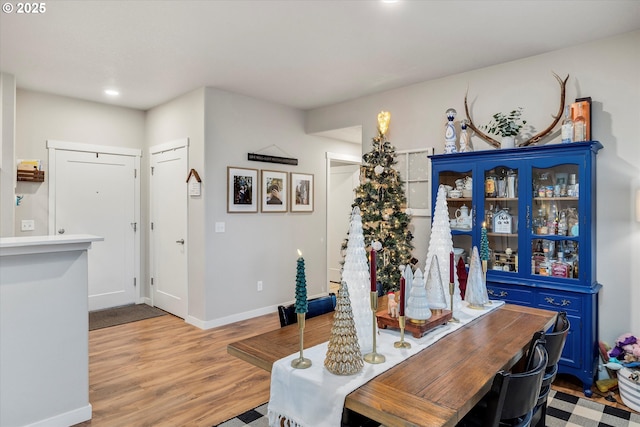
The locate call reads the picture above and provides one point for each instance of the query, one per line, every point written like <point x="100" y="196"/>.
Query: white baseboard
<point x="214" y="323"/>
<point x="66" y="419"/>
<point x="208" y="324"/>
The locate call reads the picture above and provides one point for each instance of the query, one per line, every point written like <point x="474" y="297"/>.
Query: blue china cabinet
<point x="538" y="205"/>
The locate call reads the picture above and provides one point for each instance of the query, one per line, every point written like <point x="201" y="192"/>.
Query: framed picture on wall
<point x="273" y="191"/>
<point x="242" y="190"/>
<point x="301" y="192"/>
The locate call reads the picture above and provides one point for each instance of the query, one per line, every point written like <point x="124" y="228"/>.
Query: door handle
<point x="61" y="231"/>
<point x="181" y="241"/>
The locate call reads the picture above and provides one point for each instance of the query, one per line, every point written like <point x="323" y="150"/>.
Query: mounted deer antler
<point x="534" y="139"/>
<point x="491" y="141"/>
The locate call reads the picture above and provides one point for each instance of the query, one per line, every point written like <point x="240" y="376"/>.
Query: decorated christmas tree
<point x="301" y="287"/>
<point x="343" y="352"/>
<point x="381" y="199"/>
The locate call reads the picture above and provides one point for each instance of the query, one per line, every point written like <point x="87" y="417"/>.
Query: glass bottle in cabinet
<point x="501" y="217"/>
<point x="560" y="203"/>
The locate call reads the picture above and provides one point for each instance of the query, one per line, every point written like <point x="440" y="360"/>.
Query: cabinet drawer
<point x="510" y="295"/>
<point x="559" y="301"/>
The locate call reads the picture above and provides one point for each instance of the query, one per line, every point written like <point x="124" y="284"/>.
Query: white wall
<point x="7" y="169"/>
<point x="608" y="71"/>
<point x="260" y="246"/>
<point x="41" y="117"/>
<point x="182" y="117"/>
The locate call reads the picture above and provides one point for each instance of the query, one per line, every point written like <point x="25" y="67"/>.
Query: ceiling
<point x="303" y="54"/>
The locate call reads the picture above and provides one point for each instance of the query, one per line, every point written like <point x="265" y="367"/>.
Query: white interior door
<point x="169" y="167"/>
<point x="343" y="179"/>
<point x="95" y="193"/>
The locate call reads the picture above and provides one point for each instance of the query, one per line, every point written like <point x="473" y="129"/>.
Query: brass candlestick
<point x="374" y="357"/>
<point x="402" y="343"/>
<point x="451" y="292"/>
<point x="301" y="362"/>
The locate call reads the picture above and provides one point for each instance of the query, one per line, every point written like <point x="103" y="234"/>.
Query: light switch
<point x="219" y="227"/>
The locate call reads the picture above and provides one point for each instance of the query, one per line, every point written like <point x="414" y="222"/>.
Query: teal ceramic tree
<point x="484" y="245"/>
<point x="301" y="288"/>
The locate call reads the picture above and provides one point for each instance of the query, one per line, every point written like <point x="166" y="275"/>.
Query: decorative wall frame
<point x="274" y="191"/>
<point x="301" y="192"/>
<point x="242" y="190"/>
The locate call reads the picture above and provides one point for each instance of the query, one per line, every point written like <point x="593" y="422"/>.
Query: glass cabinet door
<point x="555" y="225"/>
<point x="500" y="218"/>
<point x="459" y="186"/>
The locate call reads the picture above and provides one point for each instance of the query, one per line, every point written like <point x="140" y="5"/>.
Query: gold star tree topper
<point x="384" y="117"/>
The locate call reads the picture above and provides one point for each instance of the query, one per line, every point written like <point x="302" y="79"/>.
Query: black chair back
<point x="556" y="338"/>
<point x="316" y="307"/>
<point x="513" y="396"/>
<point x="554" y="343"/>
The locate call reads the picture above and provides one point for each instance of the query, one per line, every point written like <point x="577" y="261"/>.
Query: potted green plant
<point x="508" y="126"/>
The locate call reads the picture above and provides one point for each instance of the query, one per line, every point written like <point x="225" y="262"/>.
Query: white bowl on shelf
<point x="466" y="193"/>
<point x="455" y="194"/>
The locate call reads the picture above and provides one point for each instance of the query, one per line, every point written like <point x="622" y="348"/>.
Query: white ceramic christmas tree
<point x="418" y="303"/>
<point x="435" y="290"/>
<point x="441" y="245"/>
<point x="355" y="273"/>
<point x="476" y="293"/>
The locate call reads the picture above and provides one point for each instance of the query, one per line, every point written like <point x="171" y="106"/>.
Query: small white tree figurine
<point x="476" y="293"/>
<point x="418" y="309"/>
<point x="435" y="290"/>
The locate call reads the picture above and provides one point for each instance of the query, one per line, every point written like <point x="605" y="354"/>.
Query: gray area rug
<point x="120" y="315"/>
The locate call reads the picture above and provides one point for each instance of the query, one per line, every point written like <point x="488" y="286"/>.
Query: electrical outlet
<point x="259" y="285"/>
<point x="28" y="225"/>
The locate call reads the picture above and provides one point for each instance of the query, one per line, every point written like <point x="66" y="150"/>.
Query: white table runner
<point x="314" y="397"/>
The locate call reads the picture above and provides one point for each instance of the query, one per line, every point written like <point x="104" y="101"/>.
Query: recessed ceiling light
<point x="111" y="92"/>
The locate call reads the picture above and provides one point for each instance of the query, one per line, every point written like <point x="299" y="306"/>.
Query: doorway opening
<point x="343" y="177"/>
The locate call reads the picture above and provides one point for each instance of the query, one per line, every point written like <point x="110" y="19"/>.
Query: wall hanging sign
<point x="194" y="182"/>
<point x="260" y="156"/>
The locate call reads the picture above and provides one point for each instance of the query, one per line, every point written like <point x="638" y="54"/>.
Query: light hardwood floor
<point x="164" y="372"/>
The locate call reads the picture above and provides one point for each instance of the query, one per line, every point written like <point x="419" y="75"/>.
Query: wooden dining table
<point x="435" y="387"/>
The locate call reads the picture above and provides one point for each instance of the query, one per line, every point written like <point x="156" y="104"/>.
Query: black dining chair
<point x="316" y="307"/>
<point x="554" y="344"/>
<point x="513" y="396"/>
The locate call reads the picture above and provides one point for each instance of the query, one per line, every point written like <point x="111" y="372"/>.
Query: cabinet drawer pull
<point x="496" y="294"/>
<point x="563" y="303"/>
